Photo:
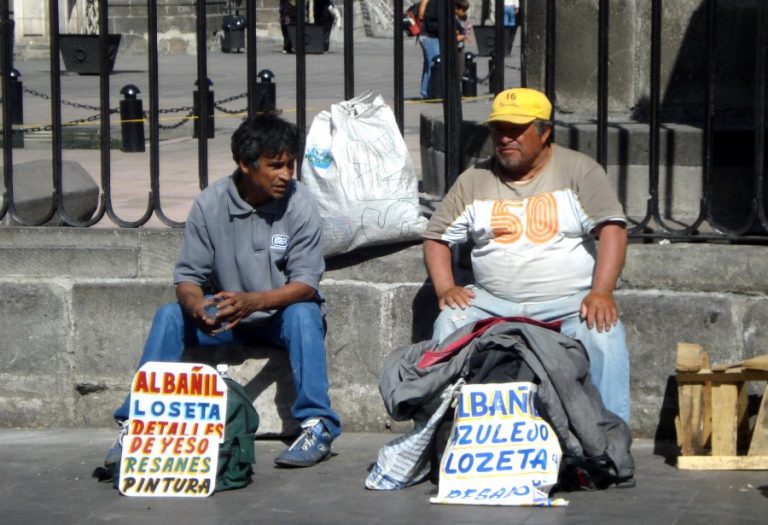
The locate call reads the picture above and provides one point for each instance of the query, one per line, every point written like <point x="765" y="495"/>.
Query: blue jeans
<point x="608" y="354"/>
<point x="430" y="47"/>
<point x="509" y="16"/>
<point x="298" y="327"/>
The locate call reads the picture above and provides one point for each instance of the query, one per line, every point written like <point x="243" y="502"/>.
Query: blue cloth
<point x="298" y="327"/>
<point x="430" y="47"/>
<point x="509" y="16"/>
<point x="608" y="353"/>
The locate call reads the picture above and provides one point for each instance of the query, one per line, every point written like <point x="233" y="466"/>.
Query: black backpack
<point x="236" y="454"/>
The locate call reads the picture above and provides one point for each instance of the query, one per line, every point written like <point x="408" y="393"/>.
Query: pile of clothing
<point x="419" y="380"/>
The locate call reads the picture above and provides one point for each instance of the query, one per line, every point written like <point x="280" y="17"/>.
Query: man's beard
<point x="510" y="165"/>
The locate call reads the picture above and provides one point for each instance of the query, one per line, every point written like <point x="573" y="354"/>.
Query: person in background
<point x="429" y="40"/>
<point x="324" y="13"/>
<point x="463" y="31"/>
<point x="511" y="10"/>
<point x="287" y="13"/>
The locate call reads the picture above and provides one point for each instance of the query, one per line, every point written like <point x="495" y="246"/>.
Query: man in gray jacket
<point x="250" y="268"/>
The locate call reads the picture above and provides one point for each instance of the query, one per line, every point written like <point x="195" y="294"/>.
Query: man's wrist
<point x="442" y="290"/>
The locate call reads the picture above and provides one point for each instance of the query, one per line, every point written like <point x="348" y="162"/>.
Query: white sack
<point x="357" y="165"/>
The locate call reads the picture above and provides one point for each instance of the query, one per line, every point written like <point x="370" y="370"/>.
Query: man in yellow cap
<point x="534" y="212"/>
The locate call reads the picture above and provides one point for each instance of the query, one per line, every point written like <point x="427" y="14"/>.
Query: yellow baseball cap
<point x="520" y="106"/>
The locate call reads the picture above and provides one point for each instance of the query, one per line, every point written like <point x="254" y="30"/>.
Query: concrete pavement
<point x="46" y="479"/>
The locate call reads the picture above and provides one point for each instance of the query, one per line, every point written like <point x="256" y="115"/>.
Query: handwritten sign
<point x="177" y="420"/>
<point x="501" y="452"/>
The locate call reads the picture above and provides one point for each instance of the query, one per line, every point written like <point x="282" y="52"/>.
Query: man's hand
<point x="456" y="297"/>
<point x="599" y="309"/>
<point x="192" y="300"/>
<point x="233" y="307"/>
<point x="437" y="258"/>
<point x="209" y="325"/>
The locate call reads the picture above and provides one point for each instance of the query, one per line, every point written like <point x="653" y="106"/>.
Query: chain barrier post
<point x="469" y="80"/>
<point x="265" y="92"/>
<point x="132" y="120"/>
<point x="436" y="79"/>
<point x="16" y="98"/>
<point x="196" y="111"/>
<point x="16" y="107"/>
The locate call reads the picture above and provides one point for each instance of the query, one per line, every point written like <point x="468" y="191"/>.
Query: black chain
<point x="64" y="102"/>
<point x="189" y="109"/>
<point x="71" y="123"/>
<point x="218" y="105"/>
<point x="229" y="111"/>
<point x="171" y="110"/>
<point x="179" y="123"/>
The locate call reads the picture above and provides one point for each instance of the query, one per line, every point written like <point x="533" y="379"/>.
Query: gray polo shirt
<point x="231" y="246"/>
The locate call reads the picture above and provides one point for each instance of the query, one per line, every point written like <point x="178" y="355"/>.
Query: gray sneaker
<point x="310" y="448"/>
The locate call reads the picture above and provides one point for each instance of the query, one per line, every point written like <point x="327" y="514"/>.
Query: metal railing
<point x="654" y="224"/>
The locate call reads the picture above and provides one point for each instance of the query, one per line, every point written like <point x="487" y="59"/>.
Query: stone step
<point x="33" y="192"/>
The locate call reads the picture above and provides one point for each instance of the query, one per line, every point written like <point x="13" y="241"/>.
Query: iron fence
<point x="753" y="227"/>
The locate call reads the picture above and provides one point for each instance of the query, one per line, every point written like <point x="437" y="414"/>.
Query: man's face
<point x="271" y="179"/>
<point x="517" y="146"/>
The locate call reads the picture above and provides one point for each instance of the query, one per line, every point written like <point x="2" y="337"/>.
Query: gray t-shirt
<point x="231" y="246"/>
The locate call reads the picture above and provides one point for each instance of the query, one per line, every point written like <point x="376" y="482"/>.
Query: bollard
<point x="15" y="98"/>
<point x="436" y="79"/>
<point x="233" y="39"/>
<point x="131" y="120"/>
<point x="469" y="80"/>
<point x="265" y="92"/>
<point x="196" y="111"/>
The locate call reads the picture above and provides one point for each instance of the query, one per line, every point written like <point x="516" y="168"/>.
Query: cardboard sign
<point x="177" y="417"/>
<point x="501" y="452"/>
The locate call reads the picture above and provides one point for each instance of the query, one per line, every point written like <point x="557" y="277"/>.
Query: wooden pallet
<point x="713" y="412"/>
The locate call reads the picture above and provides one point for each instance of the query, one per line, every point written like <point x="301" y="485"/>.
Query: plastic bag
<point x="406" y="460"/>
<point x="357" y="165"/>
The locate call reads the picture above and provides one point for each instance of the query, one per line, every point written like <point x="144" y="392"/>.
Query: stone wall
<point x="77" y="305"/>
<point x="683" y="56"/>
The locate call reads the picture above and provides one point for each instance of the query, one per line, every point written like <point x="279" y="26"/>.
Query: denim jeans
<point x="298" y="327"/>
<point x="607" y="350"/>
<point x="430" y="47"/>
<point x="509" y="16"/>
